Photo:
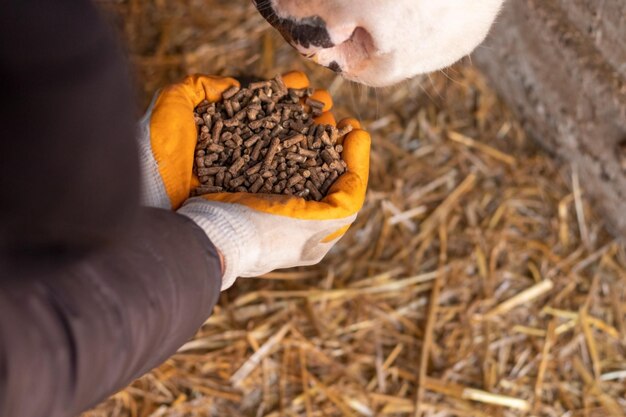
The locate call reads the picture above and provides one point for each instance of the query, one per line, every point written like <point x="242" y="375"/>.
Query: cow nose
<point x="308" y="32"/>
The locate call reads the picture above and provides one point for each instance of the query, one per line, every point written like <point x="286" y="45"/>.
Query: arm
<point x="93" y="290"/>
<point x="73" y="333"/>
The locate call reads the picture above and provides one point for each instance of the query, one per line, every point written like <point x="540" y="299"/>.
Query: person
<point x="106" y="267"/>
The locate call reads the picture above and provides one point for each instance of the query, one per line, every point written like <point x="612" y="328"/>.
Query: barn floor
<point x="477" y="281"/>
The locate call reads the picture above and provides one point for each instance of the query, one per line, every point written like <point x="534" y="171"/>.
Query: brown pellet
<point x="208" y="189"/>
<point x="329" y="181"/>
<point x="219" y="179"/>
<point x="315" y="193"/>
<point x="293" y="140"/>
<point x="203" y="141"/>
<point x="284" y="117"/>
<point x="236" y="182"/>
<point x="253" y="139"/>
<point x="257" y="185"/>
<point x="336" y="166"/>
<point x="258" y="85"/>
<point x="254" y="169"/>
<point x="297" y="93"/>
<point x="277" y="131"/>
<point x="326" y="139"/>
<point x="272" y="151"/>
<point x="345" y="130"/>
<point x="292" y="156"/>
<point x="267" y="185"/>
<point x="290" y="106"/>
<point x="258" y="123"/>
<point x="314" y="103"/>
<point x="227" y="177"/>
<point x="281" y="185"/>
<point x="203" y="106"/>
<point x="335" y="155"/>
<point x="327" y="156"/>
<point x="237" y="165"/>
<point x="228" y="106"/>
<point x="210" y="158"/>
<point x="234" y="122"/>
<point x="315" y="177"/>
<point x="304" y="193"/>
<point x="209" y="171"/>
<point x="257" y="150"/>
<point x="333" y="134"/>
<point x="295" y="179"/>
<point x="247" y="93"/>
<point x="217" y="129"/>
<point x="214" y="147"/>
<point x="252" y="112"/>
<point x="307" y="153"/>
<point x="230" y="92"/>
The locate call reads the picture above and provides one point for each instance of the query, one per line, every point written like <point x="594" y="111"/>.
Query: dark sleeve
<point x="72" y="334"/>
<point x="94" y="291"/>
<point x="68" y="165"/>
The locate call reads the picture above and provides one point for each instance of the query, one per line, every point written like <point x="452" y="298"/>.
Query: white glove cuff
<point x="153" y="193"/>
<point x="231" y="233"/>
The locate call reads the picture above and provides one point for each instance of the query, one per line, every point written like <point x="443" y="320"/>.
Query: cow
<point x="382" y="42"/>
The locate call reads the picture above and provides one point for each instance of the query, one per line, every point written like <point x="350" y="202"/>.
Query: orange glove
<point x="255" y="233"/>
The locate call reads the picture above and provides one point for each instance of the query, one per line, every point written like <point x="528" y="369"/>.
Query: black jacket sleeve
<point x="94" y="291"/>
<point x="73" y="333"/>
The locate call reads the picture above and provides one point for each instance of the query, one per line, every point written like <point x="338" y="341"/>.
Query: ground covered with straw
<point x="477" y="281"/>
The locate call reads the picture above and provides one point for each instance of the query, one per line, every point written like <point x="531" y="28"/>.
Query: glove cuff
<point x="231" y="233"/>
<point x="153" y="193"/>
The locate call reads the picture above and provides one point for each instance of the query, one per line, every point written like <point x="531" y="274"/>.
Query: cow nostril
<point x="363" y="39"/>
<point x="334" y="66"/>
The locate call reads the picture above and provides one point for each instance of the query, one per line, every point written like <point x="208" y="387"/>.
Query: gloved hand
<point x="255" y="233"/>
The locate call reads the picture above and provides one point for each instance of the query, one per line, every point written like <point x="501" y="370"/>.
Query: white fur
<point x="401" y="38"/>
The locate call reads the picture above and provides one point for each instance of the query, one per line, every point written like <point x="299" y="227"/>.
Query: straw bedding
<point x="477" y="280"/>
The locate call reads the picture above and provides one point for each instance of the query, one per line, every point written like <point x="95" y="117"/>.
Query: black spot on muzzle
<point x="308" y="31"/>
<point x="334" y="66"/>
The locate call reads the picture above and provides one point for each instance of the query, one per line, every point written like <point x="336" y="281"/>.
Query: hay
<point x="473" y="283"/>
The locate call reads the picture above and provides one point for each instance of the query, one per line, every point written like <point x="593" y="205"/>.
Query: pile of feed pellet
<point x="263" y="139"/>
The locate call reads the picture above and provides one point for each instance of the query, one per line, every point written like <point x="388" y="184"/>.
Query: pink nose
<point x="306" y="32"/>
